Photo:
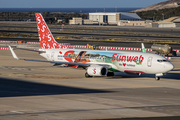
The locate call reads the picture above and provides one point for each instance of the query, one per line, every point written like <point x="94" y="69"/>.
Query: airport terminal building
<point x="113" y="17"/>
<point x="124" y="19"/>
<point x="106" y="18"/>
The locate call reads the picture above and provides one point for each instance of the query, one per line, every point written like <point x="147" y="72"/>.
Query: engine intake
<point x="97" y="71"/>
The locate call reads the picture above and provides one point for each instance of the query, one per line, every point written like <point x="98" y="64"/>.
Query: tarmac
<point x="41" y="91"/>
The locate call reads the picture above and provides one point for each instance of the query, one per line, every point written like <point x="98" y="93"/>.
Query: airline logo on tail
<point x="143" y="48"/>
<point x="46" y="39"/>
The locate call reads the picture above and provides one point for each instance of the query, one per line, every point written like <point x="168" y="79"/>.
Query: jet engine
<point x="97" y="71"/>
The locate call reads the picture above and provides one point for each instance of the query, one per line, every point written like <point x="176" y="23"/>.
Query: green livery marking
<point x="138" y="63"/>
<point x="113" y="70"/>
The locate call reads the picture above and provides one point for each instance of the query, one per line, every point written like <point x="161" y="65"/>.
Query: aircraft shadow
<point x="176" y="70"/>
<point x="15" y="88"/>
<point x="175" y="76"/>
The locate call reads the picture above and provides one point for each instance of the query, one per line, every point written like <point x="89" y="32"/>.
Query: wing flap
<point x="58" y="62"/>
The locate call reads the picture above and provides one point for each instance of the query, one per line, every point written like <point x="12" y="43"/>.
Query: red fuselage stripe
<point x="131" y="71"/>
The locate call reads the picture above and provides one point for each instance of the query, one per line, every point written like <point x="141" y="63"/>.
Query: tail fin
<point x="46" y="38"/>
<point x="143" y="48"/>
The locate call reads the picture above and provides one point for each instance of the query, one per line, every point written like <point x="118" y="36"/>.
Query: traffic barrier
<point x="82" y="46"/>
<point x="2" y="41"/>
<point x="169" y="58"/>
<point x="115" y="48"/>
<point x="177" y="51"/>
<point x="110" y="48"/>
<point x="4" y="48"/>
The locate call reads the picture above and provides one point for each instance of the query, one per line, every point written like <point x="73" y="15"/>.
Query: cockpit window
<point x="162" y="60"/>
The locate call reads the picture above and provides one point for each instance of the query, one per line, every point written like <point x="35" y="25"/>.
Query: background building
<point x="113" y="17"/>
<point x="87" y="22"/>
<point x="121" y="19"/>
<point x="131" y="23"/>
<point x="75" y="21"/>
<point x="170" y="22"/>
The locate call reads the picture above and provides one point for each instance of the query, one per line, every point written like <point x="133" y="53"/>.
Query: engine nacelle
<point x="97" y="71"/>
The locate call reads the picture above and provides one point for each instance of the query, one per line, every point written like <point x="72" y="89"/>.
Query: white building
<point x="75" y="21"/>
<point x="131" y="23"/>
<point x="113" y="17"/>
<point x="87" y="22"/>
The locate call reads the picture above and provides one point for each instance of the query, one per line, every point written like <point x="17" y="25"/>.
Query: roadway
<point x="97" y="31"/>
<point x="172" y="31"/>
<point x="30" y="90"/>
<point x="84" y="34"/>
<point x="30" y="28"/>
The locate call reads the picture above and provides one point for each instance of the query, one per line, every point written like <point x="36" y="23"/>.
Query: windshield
<point x="162" y="60"/>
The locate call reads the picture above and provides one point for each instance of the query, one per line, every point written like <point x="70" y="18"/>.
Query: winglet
<point x="13" y="53"/>
<point x="143" y="48"/>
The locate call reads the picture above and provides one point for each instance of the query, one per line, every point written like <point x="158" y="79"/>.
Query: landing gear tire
<point x="87" y="75"/>
<point x="157" y="78"/>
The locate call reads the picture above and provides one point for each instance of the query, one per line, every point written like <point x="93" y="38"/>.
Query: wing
<point x="60" y="62"/>
<point x="34" y="50"/>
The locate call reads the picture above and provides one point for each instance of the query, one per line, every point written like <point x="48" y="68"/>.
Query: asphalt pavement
<point x="31" y="90"/>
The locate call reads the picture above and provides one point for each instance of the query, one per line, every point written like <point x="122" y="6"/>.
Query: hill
<point x="162" y="5"/>
<point x="159" y="14"/>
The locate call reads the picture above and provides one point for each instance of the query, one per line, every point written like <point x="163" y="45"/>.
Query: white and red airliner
<point x="97" y="62"/>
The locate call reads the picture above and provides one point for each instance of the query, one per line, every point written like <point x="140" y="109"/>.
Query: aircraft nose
<point x="169" y="66"/>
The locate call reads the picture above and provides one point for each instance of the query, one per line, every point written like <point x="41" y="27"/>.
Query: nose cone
<point x="169" y="66"/>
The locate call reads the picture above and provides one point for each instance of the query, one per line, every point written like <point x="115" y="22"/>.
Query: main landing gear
<point x="87" y="75"/>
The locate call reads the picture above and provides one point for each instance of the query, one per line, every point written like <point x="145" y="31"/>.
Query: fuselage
<point x="120" y="61"/>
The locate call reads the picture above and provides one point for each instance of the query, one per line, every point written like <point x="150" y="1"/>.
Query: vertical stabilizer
<point x="46" y="38"/>
<point x="143" y="48"/>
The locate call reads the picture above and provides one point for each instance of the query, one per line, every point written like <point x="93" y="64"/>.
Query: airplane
<point x="97" y="62"/>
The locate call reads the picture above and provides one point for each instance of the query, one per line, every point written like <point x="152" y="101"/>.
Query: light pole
<point x="163" y="16"/>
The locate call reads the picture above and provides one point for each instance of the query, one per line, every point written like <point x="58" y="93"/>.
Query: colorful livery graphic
<point x="97" y="62"/>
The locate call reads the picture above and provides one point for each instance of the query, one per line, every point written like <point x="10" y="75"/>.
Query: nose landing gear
<point x="157" y="78"/>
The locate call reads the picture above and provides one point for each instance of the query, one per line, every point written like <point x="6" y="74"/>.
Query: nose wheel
<point x="157" y="78"/>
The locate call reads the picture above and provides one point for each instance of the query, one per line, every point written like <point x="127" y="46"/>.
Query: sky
<point x="77" y="3"/>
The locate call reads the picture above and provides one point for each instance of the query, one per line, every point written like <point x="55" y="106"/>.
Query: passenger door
<point x="149" y="62"/>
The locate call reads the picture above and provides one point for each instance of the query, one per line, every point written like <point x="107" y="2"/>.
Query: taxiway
<point x="32" y="90"/>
